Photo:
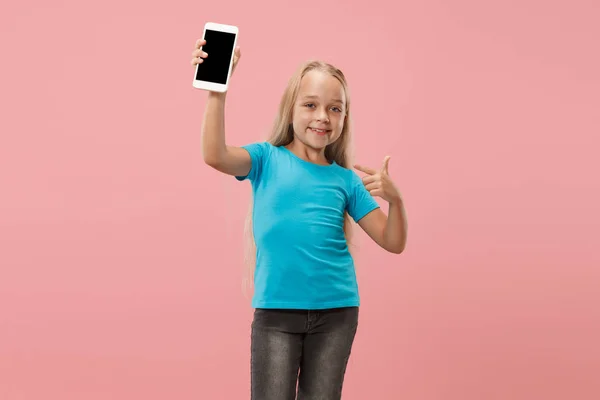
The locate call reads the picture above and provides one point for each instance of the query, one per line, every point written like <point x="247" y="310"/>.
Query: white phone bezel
<point x="212" y="86"/>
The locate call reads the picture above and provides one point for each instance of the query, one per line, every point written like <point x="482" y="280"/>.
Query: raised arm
<point x="217" y="154"/>
<point x="215" y="151"/>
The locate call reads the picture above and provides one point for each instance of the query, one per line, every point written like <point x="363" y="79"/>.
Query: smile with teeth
<point x="319" y="131"/>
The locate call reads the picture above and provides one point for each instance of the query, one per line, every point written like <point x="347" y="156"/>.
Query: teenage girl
<point x="304" y="194"/>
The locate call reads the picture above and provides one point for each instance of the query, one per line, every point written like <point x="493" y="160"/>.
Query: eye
<point x="337" y="109"/>
<point x="309" y="105"/>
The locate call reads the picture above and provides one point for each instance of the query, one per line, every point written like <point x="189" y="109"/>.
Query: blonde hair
<point x="282" y="134"/>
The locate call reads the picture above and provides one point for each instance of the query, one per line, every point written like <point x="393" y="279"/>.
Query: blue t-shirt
<point x="302" y="258"/>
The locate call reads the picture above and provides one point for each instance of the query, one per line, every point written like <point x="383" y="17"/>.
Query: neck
<point x="308" y="153"/>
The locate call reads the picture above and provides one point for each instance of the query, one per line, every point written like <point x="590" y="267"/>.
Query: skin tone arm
<point x="389" y="231"/>
<point x="216" y="153"/>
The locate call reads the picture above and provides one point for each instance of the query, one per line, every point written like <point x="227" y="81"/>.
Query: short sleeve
<point x="258" y="154"/>
<point x="361" y="202"/>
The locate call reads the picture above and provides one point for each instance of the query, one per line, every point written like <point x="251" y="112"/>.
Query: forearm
<point x="394" y="234"/>
<point x="213" y="128"/>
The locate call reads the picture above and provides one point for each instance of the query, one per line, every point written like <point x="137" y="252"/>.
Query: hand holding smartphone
<point x="215" y="57"/>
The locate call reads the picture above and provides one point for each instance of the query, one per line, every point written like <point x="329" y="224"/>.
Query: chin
<point x="318" y="144"/>
<point x="313" y="143"/>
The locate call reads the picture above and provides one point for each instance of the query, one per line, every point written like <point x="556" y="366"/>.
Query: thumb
<point x="385" y="165"/>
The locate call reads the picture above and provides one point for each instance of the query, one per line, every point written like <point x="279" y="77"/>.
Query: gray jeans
<point x="301" y="351"/>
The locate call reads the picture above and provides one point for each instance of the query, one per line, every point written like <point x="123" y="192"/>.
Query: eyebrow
<point x="316" y="97"/>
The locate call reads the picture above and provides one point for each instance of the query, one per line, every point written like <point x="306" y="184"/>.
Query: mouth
<point x="320" y="132"/>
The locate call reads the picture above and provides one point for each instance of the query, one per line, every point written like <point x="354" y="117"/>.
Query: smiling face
<point x="320" y="110"/>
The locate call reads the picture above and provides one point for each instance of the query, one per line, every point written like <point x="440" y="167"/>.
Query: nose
<point x="322" y="115"/>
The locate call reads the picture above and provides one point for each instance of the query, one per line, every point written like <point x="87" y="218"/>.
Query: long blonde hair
<point x="282" y="134"/>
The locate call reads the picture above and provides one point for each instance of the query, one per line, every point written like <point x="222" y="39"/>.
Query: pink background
<point x="120" y="251"/>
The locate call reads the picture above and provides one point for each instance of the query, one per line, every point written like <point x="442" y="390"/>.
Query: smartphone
<point x="214" y="72"/>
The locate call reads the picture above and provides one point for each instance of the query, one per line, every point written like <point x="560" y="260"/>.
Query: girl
<point x="304" y="194"/>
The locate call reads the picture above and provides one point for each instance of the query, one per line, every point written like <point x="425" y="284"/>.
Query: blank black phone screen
<point x="219" y="46"/>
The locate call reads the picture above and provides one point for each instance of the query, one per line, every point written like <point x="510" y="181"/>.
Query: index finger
<point x="366" y="170"/>
<point x="200" y="43"/>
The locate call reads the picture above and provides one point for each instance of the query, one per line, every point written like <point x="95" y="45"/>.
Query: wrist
<point x="217" y="95"/>
<point x="395" y="201"/>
